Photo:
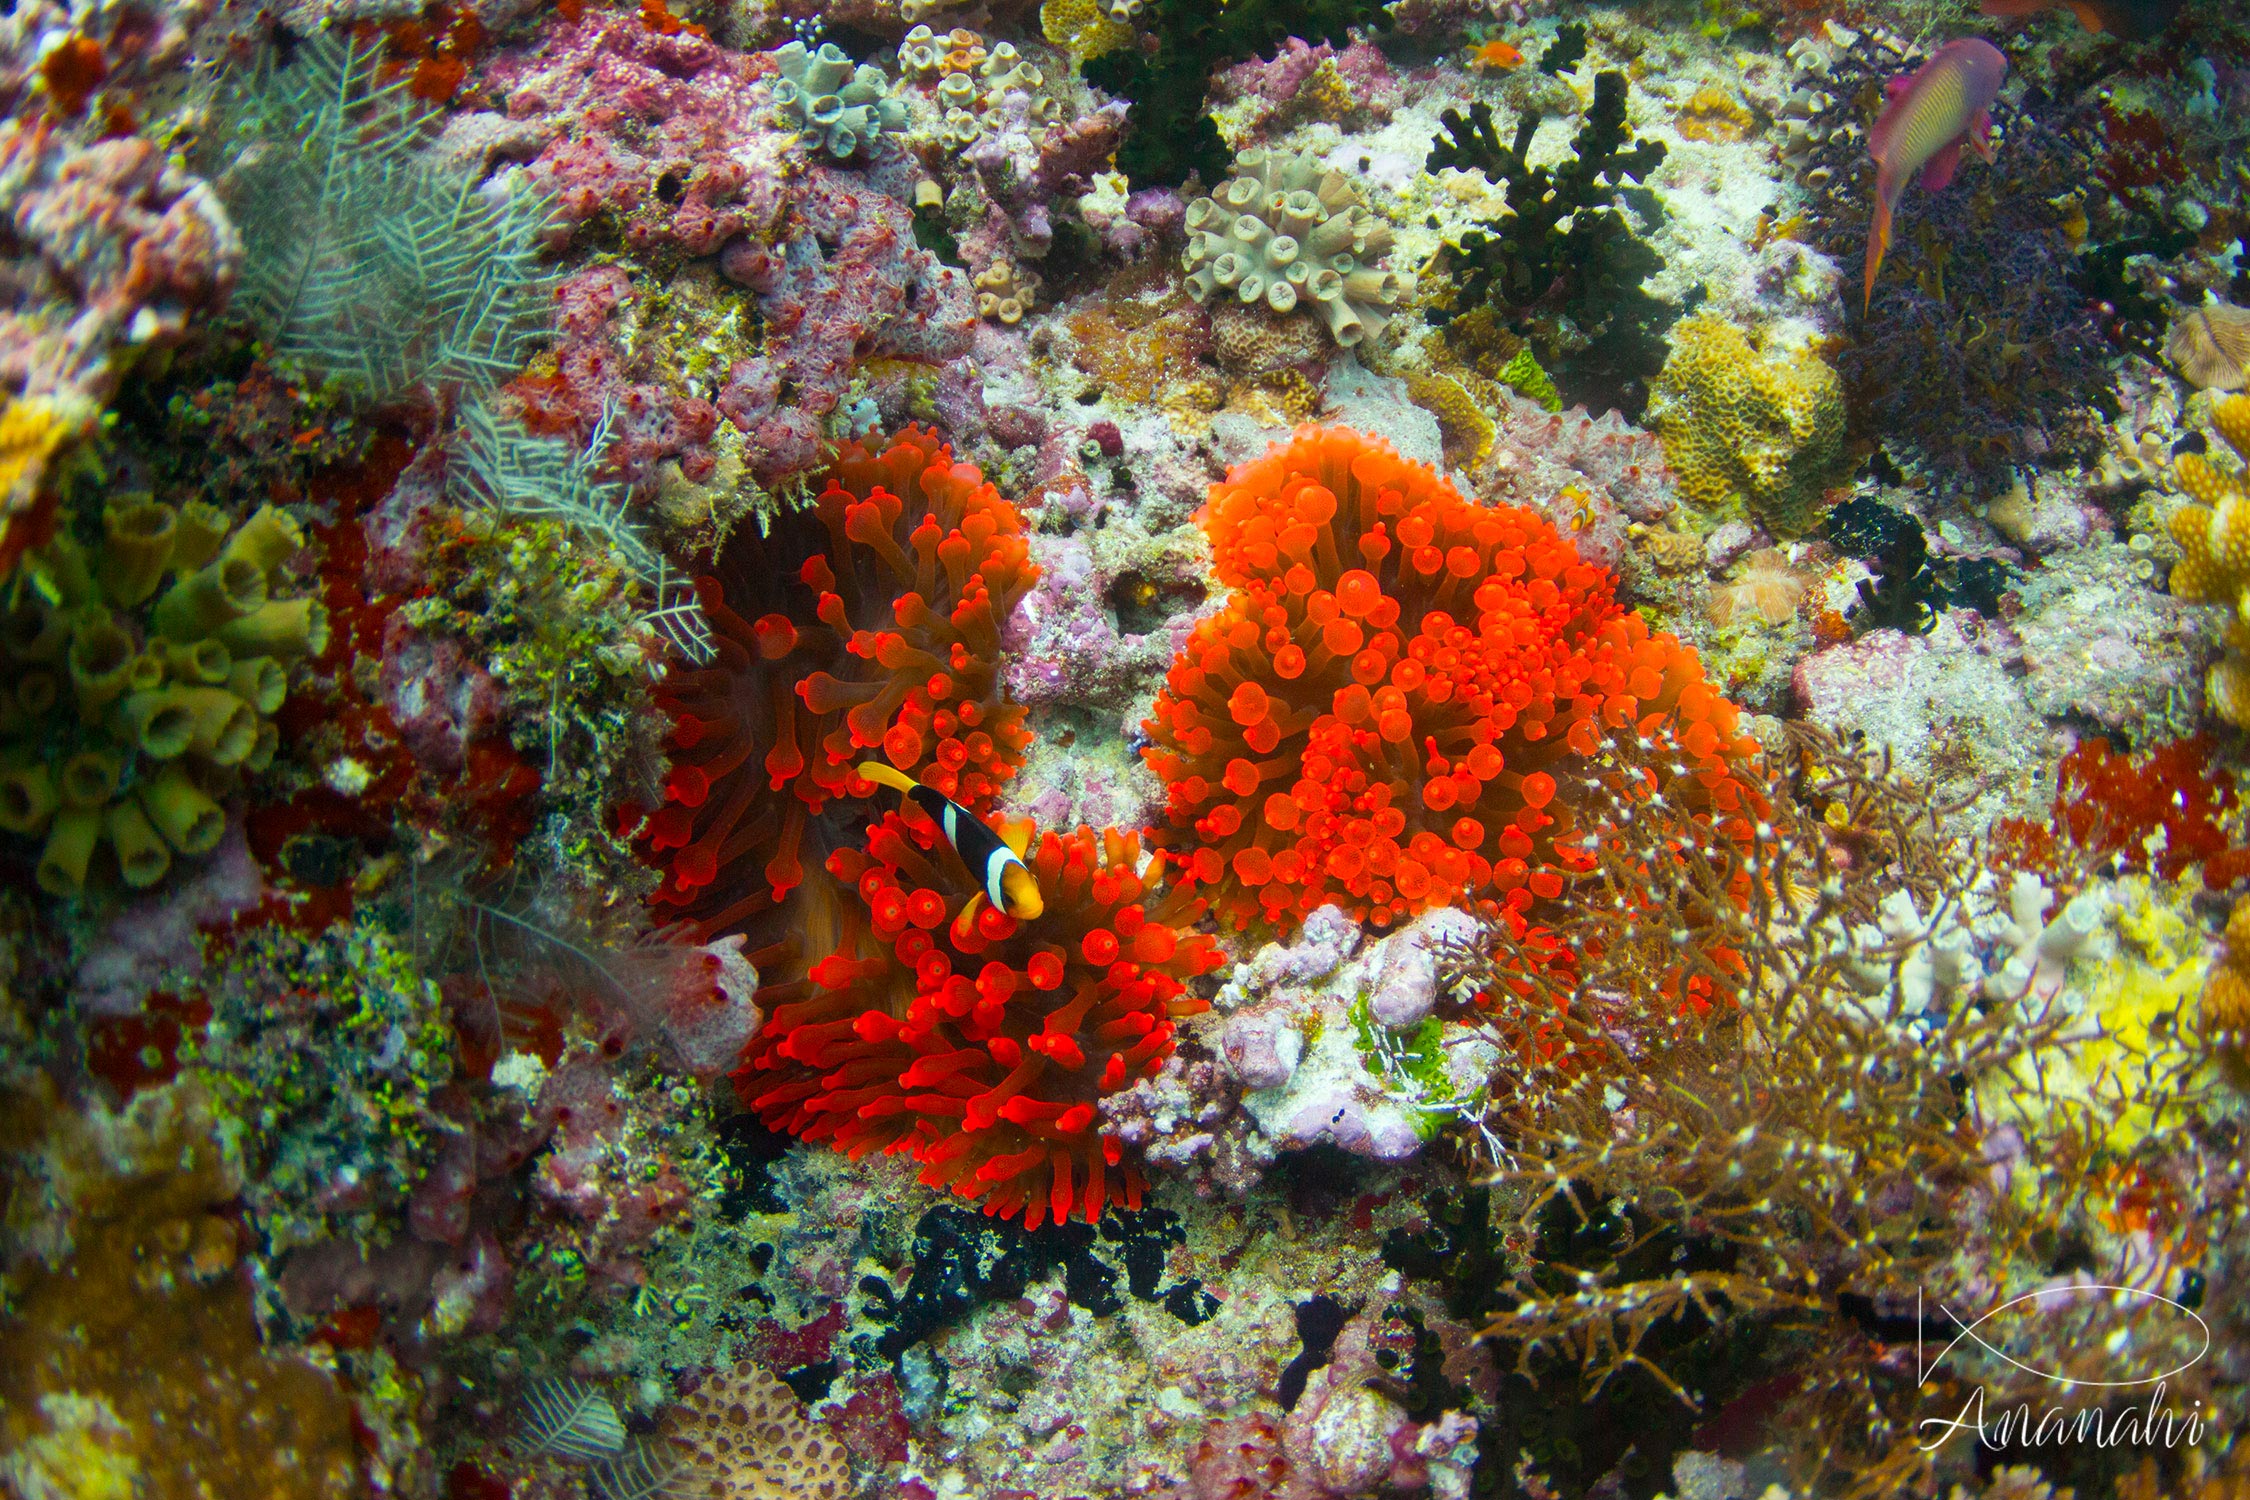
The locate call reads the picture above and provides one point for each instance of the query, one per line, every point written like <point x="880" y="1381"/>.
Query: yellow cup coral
<point x="142" y="671"/>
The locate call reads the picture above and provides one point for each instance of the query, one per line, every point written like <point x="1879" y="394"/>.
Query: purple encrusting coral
<point x="825" y="253"/>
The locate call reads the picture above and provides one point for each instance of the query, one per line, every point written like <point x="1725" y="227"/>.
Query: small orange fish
<point x="1496" y="55"/>
<point x="2133" y="20"/>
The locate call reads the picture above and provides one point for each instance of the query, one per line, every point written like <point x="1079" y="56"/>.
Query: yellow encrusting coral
<point x="134" y="1364"/>
<point x="1468" y="432"/>
<point x="1083" y="28"/>
<point x="2223" y="1025"/>
<point x="1766" y="434"/>
<point x="32" y="430"/>
<point x="142" y="674"/>
<point x="2214" y="536"/>
<point x="744" y="1436"/>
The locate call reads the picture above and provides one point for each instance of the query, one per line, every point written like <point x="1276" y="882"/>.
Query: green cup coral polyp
<point x="1409" y="699"/>
<point x="143" y="671"/>
<point x="1286" y="231"/>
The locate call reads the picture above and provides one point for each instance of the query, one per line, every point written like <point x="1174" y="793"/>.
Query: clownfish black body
<point x="995" y="860"/>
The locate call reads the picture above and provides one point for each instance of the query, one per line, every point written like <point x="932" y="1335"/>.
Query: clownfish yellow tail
<point x="886" y="775"/>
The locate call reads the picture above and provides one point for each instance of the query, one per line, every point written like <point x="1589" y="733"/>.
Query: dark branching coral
<point x="361" y="259"/>
<point x="981" y="1045"/>
<point x="1169" y="136"/>
<point x="1992" y="329"/>
<point x="868" y="624"/>
<point x="1530" y="270"/>
<point x="1910" y="587"/>
<point x="1399" y="703"/>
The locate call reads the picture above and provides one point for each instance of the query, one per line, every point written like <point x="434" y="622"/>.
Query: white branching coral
<point x="1984" y="942"/>
<point x="1286" y="230"/>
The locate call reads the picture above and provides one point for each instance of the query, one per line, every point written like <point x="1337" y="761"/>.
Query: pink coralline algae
<point x="672" y="137"/>
<point x="115" y="248"/>
<point x="1343" y="1438"/>
<point x="672" y="140"/>
<point x="1358" y="82"/>
<point x="848" y="284"/>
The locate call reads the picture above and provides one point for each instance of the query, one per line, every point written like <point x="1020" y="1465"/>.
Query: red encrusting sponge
<point x="981" y="1048"/>
<point x="869" y="624"/>
<point x="1406" y="695"/>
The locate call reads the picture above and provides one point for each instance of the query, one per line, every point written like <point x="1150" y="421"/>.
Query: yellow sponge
<point x="1743" y="431"/>
<point x="2214" y="537"/>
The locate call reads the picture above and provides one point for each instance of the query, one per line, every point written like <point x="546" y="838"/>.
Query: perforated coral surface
<point x="1767" y="434"/>
<point x="743" y="1435"/>
<point x="869" y="626"/>
<point x="2214" y="533"/>
<point x="1405" y="695"/>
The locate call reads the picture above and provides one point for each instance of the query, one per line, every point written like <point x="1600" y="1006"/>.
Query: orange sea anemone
<point x="870" y="623"/>
<point x="1408" y="698"/>
<point x="981" y="1048"/>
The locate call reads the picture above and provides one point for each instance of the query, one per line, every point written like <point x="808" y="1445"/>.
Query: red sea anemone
<point x="869" y="624"/>
<point x="1407" y="696"/>
<point x="982" y="1048"/>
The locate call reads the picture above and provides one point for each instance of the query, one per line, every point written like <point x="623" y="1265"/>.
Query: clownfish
<point x="998" y="858"/>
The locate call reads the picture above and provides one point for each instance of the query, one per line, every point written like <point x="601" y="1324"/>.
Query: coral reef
<point x="1745" y="432"/>
<point x="148" y="668"/>
<point x="1415" y="760"/>
<point x="1286" y="230"/>
<point x="1436" y="1043"/>
<point x="893" y="586"/>
<point x="827" y="251"/>
<point x="2213" y="533"/>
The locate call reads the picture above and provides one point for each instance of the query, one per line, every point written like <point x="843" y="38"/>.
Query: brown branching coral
<point x="1808" y="1127"/>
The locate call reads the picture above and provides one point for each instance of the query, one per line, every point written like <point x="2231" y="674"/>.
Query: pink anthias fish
<point x="1935" y="110"/>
